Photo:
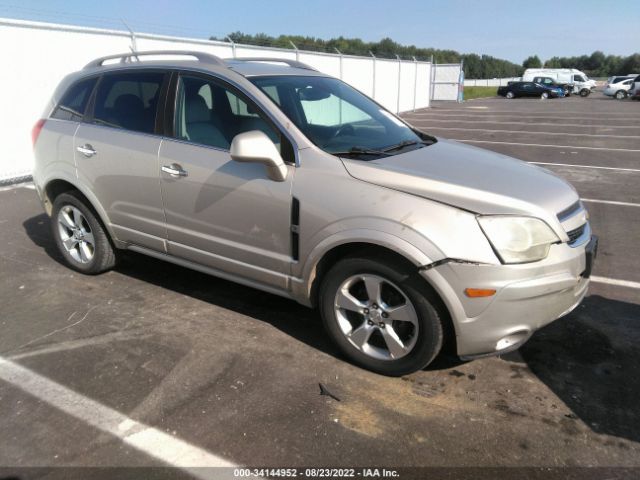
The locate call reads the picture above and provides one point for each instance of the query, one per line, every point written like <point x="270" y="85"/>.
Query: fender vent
<point x="295" y="228"/>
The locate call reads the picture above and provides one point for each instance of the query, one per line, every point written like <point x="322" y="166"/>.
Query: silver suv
<point x="271" y="174"/>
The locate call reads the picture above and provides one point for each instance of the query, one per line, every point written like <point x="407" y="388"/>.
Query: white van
<point x="581" y="82"/>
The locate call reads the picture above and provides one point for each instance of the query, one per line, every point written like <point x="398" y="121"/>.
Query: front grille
<point x="568" y="212"/>
<point x="576" y="233"/>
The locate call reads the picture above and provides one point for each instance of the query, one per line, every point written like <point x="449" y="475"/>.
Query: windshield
<point x="339" y="119"/>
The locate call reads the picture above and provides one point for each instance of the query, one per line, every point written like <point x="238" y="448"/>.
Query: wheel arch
<point x="56" y="186"/>
<point x="373" y="250"/>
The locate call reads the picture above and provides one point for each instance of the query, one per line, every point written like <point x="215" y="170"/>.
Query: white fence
<point x="37" y="55"/>
<point x="490" y="82"/>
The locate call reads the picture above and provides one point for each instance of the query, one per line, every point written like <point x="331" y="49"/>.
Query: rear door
<point x="116" y="154"/>
<point x="227" y="215"/>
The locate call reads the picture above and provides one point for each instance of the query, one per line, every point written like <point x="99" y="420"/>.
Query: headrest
<point x="197" y="110"/>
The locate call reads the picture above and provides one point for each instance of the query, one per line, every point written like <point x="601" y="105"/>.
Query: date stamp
<point x="315" y="473"/>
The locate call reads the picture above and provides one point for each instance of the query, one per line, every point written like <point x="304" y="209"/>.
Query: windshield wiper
<point x="361" y="151"/>
<point x="405" y="143"/>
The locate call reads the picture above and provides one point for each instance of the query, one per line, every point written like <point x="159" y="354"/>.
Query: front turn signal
<point x="479" y="292"/>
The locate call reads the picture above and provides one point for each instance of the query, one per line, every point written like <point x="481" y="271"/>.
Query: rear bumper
<point x="527" y="298"/>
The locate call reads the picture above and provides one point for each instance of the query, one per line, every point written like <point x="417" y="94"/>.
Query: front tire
<point x="381" y="318"/>
<point x="544" y="95"/>
<point x="79" y="235"/>
<point x="510" y="95"/>
<point x="585" y="92"/>
<point x="620" y="95"/>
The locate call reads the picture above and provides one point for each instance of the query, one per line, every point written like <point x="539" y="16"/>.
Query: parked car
<point x="618" y="87"/>
<point x="529" y="89"/>
<point x="271" y="174"/>
<point x="567" y="88"/>
<point x="582" y="84"/>
<point x="634" y="89"/>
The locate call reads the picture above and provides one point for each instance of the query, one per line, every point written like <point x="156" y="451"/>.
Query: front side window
<point x="128" y="100"/>
<point x="74" y="101"/>
<point x="339" y="119"/>
<point x="210" y="114"/>
<point x="578" y="78"/>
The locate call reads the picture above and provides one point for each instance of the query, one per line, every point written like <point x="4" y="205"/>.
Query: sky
<point x="509" y="29"/>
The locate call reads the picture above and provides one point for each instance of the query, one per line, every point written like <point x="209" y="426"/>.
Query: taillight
<point x="35" y="131"/>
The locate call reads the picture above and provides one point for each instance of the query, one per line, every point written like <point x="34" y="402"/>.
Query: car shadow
<point x="589" y="359"/>
<point x="286" y="315"/>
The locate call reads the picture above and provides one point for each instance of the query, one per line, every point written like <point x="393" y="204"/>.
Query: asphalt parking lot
<point x="152" y="364"/>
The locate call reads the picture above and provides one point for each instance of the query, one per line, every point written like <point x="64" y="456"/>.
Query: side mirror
<point x="256" y="147"/>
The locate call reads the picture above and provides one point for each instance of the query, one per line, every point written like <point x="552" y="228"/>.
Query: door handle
<point x="87" y="150"/>
<point x="174" y="170"/>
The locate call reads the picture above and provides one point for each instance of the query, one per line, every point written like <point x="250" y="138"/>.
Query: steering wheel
<point x="346" y="129"/>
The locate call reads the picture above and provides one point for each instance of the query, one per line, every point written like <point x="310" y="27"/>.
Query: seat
<point x="199" y="126"/>
<point x="129" y="113"/>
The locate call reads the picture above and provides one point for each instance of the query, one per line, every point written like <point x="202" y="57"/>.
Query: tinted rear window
<point x="128" y="100"/>
<point x="74" y="101"/>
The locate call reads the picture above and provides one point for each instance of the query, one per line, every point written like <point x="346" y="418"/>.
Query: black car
<point x="529" y="89"/>
<point x="567" y="88"/>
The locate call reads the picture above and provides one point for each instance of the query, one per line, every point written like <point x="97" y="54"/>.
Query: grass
<point x="479" y="92"/>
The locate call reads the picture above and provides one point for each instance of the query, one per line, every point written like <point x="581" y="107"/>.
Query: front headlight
<point x="518" y="239"/>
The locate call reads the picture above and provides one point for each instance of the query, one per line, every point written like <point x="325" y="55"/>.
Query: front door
<point x="227" y="215"/>
<point x="116" y="154"/>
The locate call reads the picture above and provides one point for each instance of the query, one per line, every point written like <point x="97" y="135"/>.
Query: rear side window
<point x="74" y="101"/>
<point x="128" y="100"/>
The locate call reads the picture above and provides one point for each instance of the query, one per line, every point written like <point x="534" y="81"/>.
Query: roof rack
<point x="291" y="63"/>
<point x="128" y="57"/>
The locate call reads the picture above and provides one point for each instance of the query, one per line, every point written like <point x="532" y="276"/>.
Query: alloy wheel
<point x="76" y="235"/>
<point x="376" y="317"/>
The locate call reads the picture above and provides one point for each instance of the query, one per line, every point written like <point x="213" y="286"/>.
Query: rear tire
<point x="398" y="331"/>
<point x="80" y="236"/>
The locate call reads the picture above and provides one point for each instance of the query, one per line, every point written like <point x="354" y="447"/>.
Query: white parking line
<point x="158" y="444"/>
<point x="556" y="124"/>
<point x="521" y="115"/>
<point x="562" y="112"/>
<point x="568" y="147"/>
<point x="611" y="202"/>
<point x="616" y="282"/>
<point x="536" y="133"/>
<point x="588" y="166"/>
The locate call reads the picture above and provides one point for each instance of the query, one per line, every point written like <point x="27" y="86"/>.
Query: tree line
<point x="475" y="66"/>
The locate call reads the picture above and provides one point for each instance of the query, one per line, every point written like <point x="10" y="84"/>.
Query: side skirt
<point x="212" y="271"/>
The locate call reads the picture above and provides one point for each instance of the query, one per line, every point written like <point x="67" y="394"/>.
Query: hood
<point x="471" y="178"/>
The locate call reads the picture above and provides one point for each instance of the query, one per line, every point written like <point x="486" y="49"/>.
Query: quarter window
<point x="74" y="101"/>
<point x="128" y="100"/>
<point x="210" y="114"/>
